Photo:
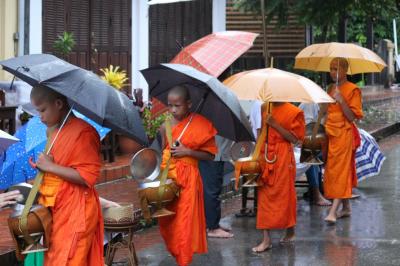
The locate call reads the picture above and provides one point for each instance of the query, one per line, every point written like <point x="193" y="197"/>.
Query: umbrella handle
<point x="32" y="164"/>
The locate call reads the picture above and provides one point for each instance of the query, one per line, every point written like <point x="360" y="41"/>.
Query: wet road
<point x="370" y="237"/>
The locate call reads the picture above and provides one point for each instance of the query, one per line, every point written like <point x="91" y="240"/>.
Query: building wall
<point x="8" y="26"/>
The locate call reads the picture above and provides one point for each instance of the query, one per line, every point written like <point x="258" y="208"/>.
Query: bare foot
<point x="323" y="202"/>
<point x="343" y="214"/>
<point x="219" y="233"/>
<point x="288" y="238"/>
<point x="263" y="246"/>
<point x="330" y="219"/>
<point x="225" y="228"/>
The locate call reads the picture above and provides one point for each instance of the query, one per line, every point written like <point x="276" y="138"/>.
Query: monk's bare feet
<point x="330" y="219"/>
<point x="263" y="246"/>
<point x="289" y="237"/>
<point x="343" y="214"/>
<point x="219" y="233"/>
<point x="225" y="228"/>
<point x="322" y="202"/>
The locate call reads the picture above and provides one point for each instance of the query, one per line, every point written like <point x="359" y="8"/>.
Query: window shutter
<point x="54" y="17"/>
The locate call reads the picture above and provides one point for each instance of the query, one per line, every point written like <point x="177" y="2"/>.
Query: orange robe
<point x="77" y="235"/>
<point x="185" y="232"/>
<point x="340" y="175"/>
<point x="276" y="205"/>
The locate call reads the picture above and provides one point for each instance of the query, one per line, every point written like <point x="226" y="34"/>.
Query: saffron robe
<point x="276" y="203"/>
<point x="185" y="232"/>
<point x="77" y="235"/>
<point x="340" y="172"/>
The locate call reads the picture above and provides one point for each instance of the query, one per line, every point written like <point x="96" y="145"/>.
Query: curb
<point x="385" y="131"/>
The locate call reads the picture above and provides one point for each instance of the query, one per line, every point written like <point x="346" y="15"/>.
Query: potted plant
<point x="64" y="44"/>
<point x="152" y="123"/>
<point x="117" y="78"/>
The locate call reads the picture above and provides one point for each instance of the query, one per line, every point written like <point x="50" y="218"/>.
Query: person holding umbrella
<point x="277" y="194"/>
<point x="343" y="140"/>
<point x="193" y="139"/>
<point x="71" y="170"/>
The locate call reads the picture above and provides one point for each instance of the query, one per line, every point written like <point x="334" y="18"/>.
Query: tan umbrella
<point x="274" y="85"/>
<point x="317" y="57"/>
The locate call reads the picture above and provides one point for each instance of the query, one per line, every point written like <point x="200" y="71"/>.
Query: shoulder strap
<point x="164" y="173"/>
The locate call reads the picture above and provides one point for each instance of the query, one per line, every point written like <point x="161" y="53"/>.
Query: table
<point x="8" y="118"/>
<point x="114" y="245"/>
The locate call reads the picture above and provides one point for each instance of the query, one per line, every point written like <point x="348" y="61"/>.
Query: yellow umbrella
<point x="317" y="57"/>
<point x="274" y="85"/>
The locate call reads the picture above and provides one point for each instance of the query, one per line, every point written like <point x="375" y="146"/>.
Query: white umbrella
<point x="369" y="158"/>
<point x="6" y="140"/>
<point x="154" y="2"/>
<point x="275" y="85"/>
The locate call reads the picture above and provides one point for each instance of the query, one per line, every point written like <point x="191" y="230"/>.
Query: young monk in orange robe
<point x="67" y="189"/>
<point x="340" y="173"/>
<point x="185" y="232"/>
<point x="276" y="207"/>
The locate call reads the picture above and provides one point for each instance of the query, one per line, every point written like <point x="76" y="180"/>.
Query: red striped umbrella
<point x="215" y="52"/>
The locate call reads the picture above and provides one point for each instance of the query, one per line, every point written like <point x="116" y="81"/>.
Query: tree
<point x="325" y="16"/>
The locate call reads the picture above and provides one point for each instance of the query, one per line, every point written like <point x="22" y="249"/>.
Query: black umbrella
<point x="218" y="103"/>
<point x="87" y="93"/>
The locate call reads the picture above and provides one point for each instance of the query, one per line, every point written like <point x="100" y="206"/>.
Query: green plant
<point x="152" y="124"/>
<point x="64" y="43"/>
<point x="114" y="76"/>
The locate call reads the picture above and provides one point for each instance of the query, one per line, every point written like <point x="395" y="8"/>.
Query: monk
<point x="71" y="170"/>
<point x="185" y="232"/>
<point x="340" y="172"/>
<point x="276" y="194"/>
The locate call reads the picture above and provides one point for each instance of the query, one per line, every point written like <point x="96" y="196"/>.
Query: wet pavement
<point x="370" y="237"/>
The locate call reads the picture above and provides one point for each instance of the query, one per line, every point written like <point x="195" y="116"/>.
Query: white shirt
<point x="224" y="149"/>
<point x="255" y="116"/>
<point x="310" y="112"/>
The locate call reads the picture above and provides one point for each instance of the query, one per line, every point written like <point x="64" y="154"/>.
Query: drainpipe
<point x="19" y="36"/>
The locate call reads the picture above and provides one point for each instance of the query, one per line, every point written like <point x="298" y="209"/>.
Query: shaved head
<point x="343" y="63"/>
<point x="180" y="90"/>
<point x="43" y="94"/>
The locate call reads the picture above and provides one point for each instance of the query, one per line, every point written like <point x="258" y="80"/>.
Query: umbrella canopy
<point x="36" y="132"/>
<point x="220" y="105"/>
<point x="274" y="85"/>
<point x="87" y="93"/>
<point x="6" y="140"/>
<point x="15" y="162"/>
<point x="369" y="158"/>
<point x="215" y="52"/>
<point x="317" y="57"/>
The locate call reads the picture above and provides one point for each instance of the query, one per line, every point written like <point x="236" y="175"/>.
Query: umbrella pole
<point x="269" y="111"/>
<point x="58" y="132"/>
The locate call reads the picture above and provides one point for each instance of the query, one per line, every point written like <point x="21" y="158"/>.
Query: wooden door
<point x="173" y="26"/>
<point x="101" y="28"/>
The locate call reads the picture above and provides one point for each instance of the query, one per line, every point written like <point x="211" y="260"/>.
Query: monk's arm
<point x="182" y="151"/>
<point x="345" y="107"/>
<point x="283" y="131"/>
<point x="46" y="164"/>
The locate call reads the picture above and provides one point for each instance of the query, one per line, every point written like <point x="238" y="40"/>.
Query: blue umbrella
<point x="16" y="168"/>
<point x="36" y="131"/>
<point x="369" y="158"/>
<point x="32" y="135"/>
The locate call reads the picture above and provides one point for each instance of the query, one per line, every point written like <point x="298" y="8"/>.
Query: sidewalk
<point x="382" y="110"/>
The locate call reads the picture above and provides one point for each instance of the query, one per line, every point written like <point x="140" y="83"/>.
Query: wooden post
<point x="264" y="28"/>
